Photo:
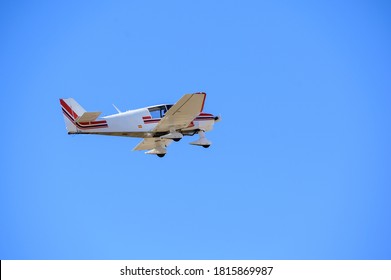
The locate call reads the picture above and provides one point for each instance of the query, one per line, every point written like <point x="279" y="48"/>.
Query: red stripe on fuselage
<point x="151" y="121"/>
<point x="205" y="115"/>
<point x="93" y="122"/>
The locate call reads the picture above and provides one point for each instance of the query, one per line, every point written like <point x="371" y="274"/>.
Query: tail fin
<point x="72" y="107"/>
<point x="77" y="118"/>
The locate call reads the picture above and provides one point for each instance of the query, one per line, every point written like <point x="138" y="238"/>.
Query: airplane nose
<point x="217" y="118"/>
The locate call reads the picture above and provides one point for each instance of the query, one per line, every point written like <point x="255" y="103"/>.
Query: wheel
<point x="206" y="146"/>
<point x="176" y="139"/>
<point x="161" y="155"/>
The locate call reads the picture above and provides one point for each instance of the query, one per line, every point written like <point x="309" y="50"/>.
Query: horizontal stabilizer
<point x="88" y="117"/>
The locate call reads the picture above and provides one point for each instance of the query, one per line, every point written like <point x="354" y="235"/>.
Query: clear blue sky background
<point x="300" y="166"/>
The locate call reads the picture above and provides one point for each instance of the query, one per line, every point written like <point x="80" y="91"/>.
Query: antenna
<point x="118" y="110"/>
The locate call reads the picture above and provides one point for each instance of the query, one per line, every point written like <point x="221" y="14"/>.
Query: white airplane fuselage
<point x="158" y="125"/>
<point x="133" y="123"/>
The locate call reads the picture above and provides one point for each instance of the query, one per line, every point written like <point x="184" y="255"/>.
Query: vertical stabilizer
<point x="71" y="111"/>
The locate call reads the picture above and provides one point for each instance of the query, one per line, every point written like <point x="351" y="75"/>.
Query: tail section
<point x="77" y="118"/>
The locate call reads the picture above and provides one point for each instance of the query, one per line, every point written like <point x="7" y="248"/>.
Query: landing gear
<point x="202" y="141"/>
<point x="160" y="150"/>
<point x="174" y="135"/>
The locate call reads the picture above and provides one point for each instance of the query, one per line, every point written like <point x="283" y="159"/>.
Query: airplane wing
<point x="151" y="143"/>
<point x="182" y="113"/>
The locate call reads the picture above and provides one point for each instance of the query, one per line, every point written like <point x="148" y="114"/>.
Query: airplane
<point x="158" y="125"/>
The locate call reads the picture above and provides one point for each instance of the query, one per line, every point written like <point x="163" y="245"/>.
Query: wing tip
<point x="203" y="101"/>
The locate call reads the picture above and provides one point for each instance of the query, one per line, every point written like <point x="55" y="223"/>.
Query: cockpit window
<point x="158" y="112"/>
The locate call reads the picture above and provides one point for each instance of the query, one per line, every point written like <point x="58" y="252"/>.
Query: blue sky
<point x="300" y="164"/>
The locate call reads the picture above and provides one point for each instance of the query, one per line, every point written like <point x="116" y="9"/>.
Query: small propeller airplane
<point x="158" y="125"/>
